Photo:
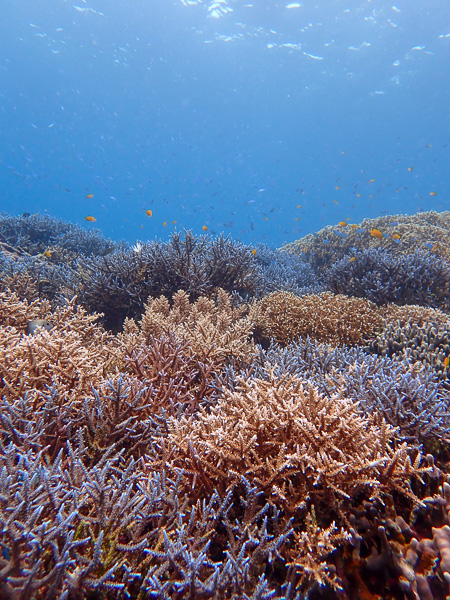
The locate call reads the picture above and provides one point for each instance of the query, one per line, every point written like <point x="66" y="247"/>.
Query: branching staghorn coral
<point x="67" y="530"/>
<point x="325" y="317"/>
<point x="410" y="399"/>
<point x="34" y="234"/>
<point x="119" y="284"/>
<point x="295" y="444"/>
<point x="414" y="314"/>
<point x="311" y="546"/>
<point x="32" y="278"/>
<point x="218" y="548"/>
<point x="381" y="277"/>
<point x="401" y="235"/>
<point x="428" y="344"/>
<point x="213" y="329"/>
<point x="69" y="357"/>
<point x="284" y="272"/>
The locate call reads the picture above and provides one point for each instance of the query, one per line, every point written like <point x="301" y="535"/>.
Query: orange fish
<point x="376" y="233"/>
<point x="204" y="228"/>
<point x="335" y="201"/>
<point x="359" y="195"/>
<point x="89" y="196"/>
<point x="47" y="253"/>
<point x="343" y="223"/>
<point x="338" y="187"/>
<point x="165" y="223"/>
<point x="396" y="236"/>
<point x="446" y="362"/>
<point x="149" y="213"/>
<point x="254" y="252"/>
<point x="352" y="259"/>
<point x="371" y="180"/>
<point x="410" y="169"/>
<point x="173" y="222"/>
<point x="299" y="205"/>
<point x="354" y="226"/>
<point x="433" y="193"/>
<point x="90" y="219"/>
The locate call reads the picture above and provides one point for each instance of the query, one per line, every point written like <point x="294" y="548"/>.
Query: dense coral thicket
<point x="36" y="234"/>
<point x="428" y="344"/>
<point x="325" y="317"/>
<point x="381" y="277"/>
<point x="410" y="399"/>
<point x="294" y="443"/>
<point x="397" y="234"/>
<point x="215" y="329"/>
<point x="284" y="272"/>
<point x="118" y="285"/>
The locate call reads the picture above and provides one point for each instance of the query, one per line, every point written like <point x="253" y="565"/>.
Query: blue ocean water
<point x="263" y="119"/>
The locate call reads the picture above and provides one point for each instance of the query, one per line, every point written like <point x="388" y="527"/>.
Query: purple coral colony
<point x="200" y="419"/>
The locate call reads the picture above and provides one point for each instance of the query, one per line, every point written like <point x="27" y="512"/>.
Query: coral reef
<point x="214" y="328"/>
<point x="283" y="272"/>
<point x="325" y="317"/>
<point x="400" y="235"/>
<point x="295" y="444"/>
<point x="118" y="285"/>
<point x="379" y="276"/>
<point x="428" y="343"/>
<point x="35" y="234"/>
<point x="411" y="400"/>
<point x="226" y="430"/>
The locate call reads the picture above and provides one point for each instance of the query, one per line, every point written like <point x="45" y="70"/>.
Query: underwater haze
<point x="263" y="119"/>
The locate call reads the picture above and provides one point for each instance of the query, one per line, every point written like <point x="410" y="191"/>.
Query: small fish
<point x="410" y="169"/>
<point x="90" y="219"/>
<point x="299" y="205"/>
<point x="205" y="228"/>
<point x="89" y="196"/>
<point x="359" y="195"/>
<point x="335" y="201"/>
<point x="354" y="226"/>
<point x="376" y="233"/>
<point x="371" y="180"/>
<point x="47" y="253"/>
<point x="428" y="245"/>
<point x="338" y="187"/>
<point x="446" y="362"/>
<point x="165" y="223"/>
<point x="343" y="223"/>
<point x="393" y="224"/>
<point x="396" y="236"/>
<point x="149" y="212"/>
<point x="433" y="193"/>
<point x="341" y="234"/>
<point x="352" y="259"/>
<point x="173" y="222"/>
<point x="36" y="324"/>
<point x="254" y="252"/>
